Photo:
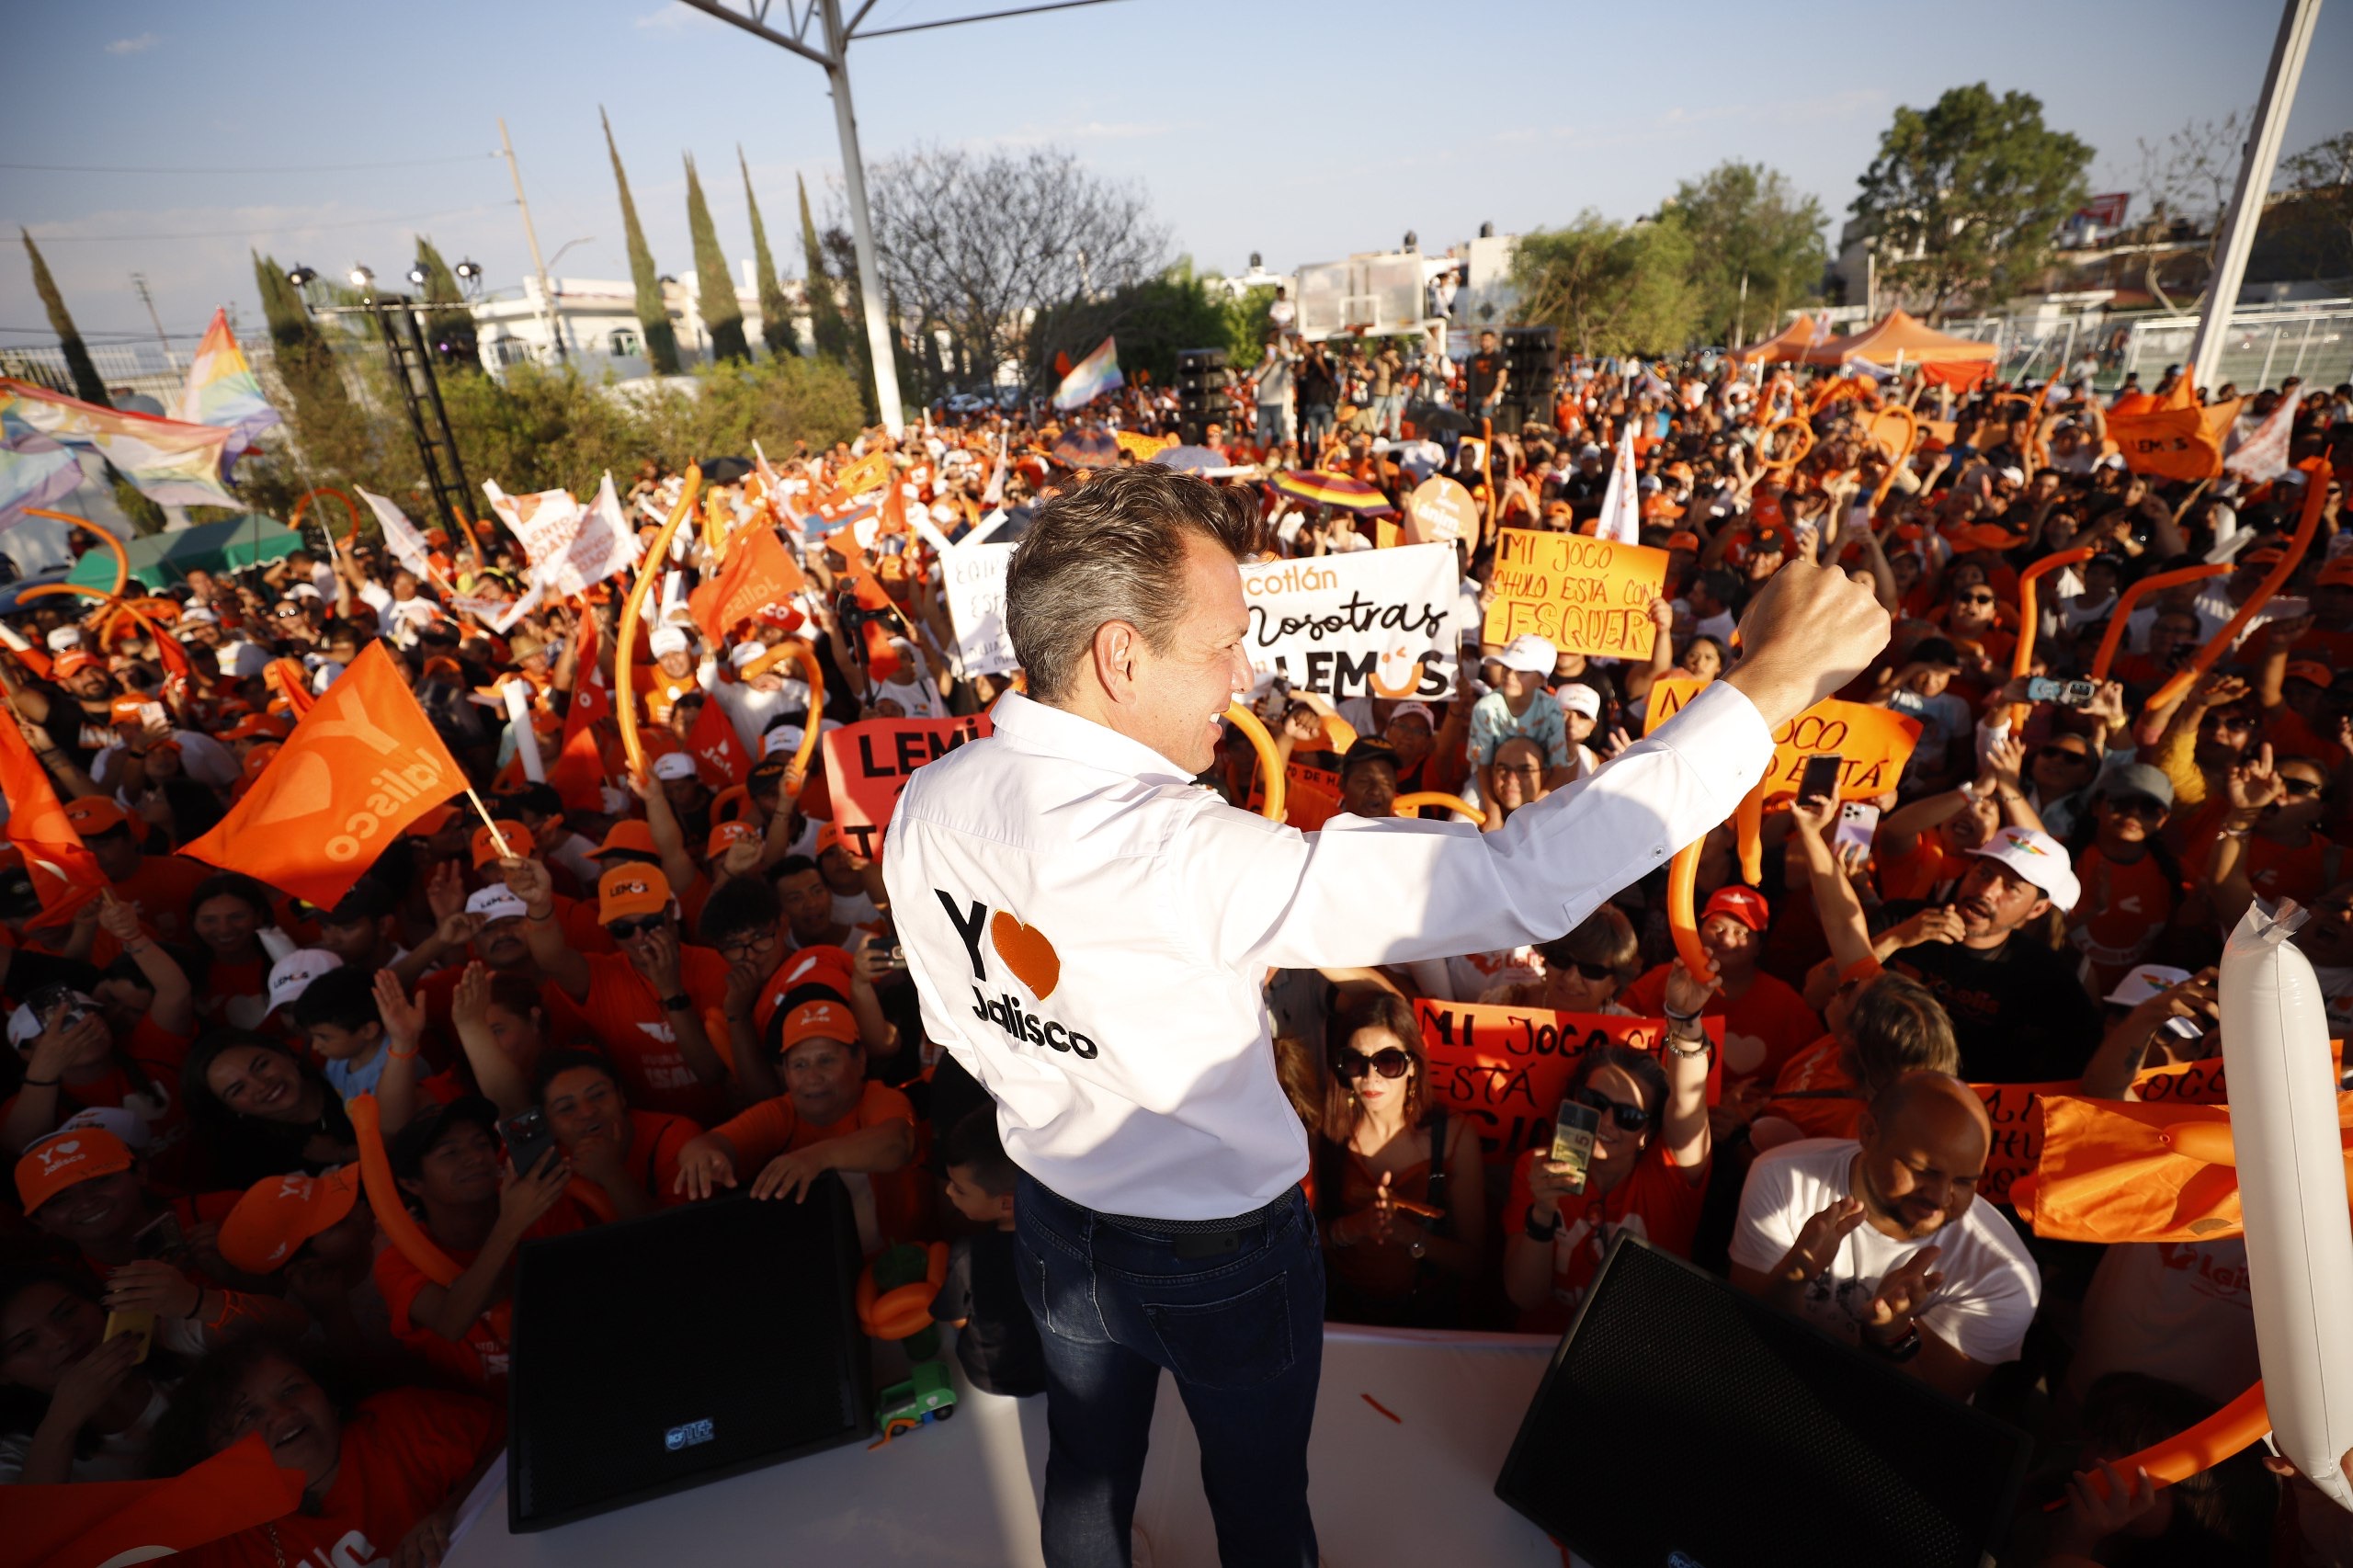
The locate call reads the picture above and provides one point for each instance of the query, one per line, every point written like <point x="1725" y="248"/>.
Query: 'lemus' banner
<point x="1368" y="624"/>
<point x="867" y="765"/>
<point x="1584" y="596"/>
<point x="1505" y="1068"/>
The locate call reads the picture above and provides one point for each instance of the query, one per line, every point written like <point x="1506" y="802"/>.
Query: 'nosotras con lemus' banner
<point x="1373" y="623"/>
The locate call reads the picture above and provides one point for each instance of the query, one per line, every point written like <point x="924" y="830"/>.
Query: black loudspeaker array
<point x="1532" y="357"/>
<point x="1202" y="381"/>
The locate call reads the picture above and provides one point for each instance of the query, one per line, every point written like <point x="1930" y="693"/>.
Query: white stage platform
<point x="966" y="1491"/>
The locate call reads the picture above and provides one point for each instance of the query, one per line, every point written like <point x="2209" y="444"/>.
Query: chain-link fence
<point x="2264" y="347"/>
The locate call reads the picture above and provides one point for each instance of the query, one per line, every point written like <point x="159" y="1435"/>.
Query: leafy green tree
<point x="776" y="310"/>
<point x="1153" y="319"/>
<point x="825" y="323"/>
<point x="653" y="315"/>
<point x="1965" y="198"/>
<point x="722" y="316"/>
<point x="1610" y="287"/>
<point x="448" y="325"/>
<point x="318" y="403"/>
<point x="78" y="364"/>
<point x="1245" y="326"/>
<point x="1745" y="220"/>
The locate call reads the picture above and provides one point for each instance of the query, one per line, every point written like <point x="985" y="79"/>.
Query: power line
<point x="281" y="229"/>
<point x="249" y="168"/>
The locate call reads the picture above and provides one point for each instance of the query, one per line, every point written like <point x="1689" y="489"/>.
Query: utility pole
<point x="2297" y="19"/>
<point x="1740" y="322"/>
<point x="138" y="281"/>
<point x="547" y="312"/>
<point x="799" y="16"/>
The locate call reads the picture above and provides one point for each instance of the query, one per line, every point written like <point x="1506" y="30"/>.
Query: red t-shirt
<point x="654" y="1140"/>
<point x="1658" y="1202"/>
<point x="2127" y="905"/>
<point x="1768" y="1024"/>
<point x="481" y="1357"/>
<point x="404" y="1450"/>
<point x="763" y="1132"/>
<point x="629" y="1022"/>
<point x="1931" y="862"/>
<point x="160" y="891"/>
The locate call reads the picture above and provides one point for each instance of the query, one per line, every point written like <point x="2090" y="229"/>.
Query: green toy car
<point x="926" y="1396"/>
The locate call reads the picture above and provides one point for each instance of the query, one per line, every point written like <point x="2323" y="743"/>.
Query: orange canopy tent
<point x="1899" y="336"/>
<point x="1786" y="347"/>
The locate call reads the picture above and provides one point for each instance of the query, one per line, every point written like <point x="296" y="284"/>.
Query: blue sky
<point x="1302" y="129"/>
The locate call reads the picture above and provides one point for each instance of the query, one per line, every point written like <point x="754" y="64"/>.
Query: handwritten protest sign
<point x="1584" y="596"/>
<point x="1506" y="1068"/>
<point x="1871" y="743"/>
<point x="1311" y="795"/>
<point x="867" y="763"/>
<point x="975" y="574"/>
<point x="1370" y="623"/>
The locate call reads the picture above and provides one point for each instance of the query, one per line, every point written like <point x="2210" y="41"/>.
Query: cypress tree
<point x="825" y="323"/>
<point x="722" y="316"/>
<point x="450" y="325"/>
<point x="652" y="316"/>
<point x="775" y="313"/>
<point x="78" y="364"/>
<point x="300" y="355"/>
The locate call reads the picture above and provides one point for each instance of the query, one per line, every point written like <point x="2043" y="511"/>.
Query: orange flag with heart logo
<point x="362" y="764"/>
<point x="757" y="573"/>
<point x="64" y="873"/>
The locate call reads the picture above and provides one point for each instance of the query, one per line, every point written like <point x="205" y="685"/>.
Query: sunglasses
<point x="1389" y="1061"/>
<point x="2301" y="787"/>
<point x="1595" y="973"/>
<point x="623" y="930"/>
<point x="1975" y="599"/>
<point x="2064" y="753"/>
<point x="2138" y="805"/>
<point x="1628" y="1118"/>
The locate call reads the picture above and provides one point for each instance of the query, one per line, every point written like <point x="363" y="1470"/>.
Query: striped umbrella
<point x="1188" y="460"/>
<point x="1333" y="490"/>
<point x="1088" y="449"/>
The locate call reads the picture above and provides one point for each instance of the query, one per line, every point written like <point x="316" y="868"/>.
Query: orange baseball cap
<point x="253" y="726"/>
<point x="125" y="710"/>
<point x="2338" y="573"/>
<point x="2312" y="670"/>
<point x="67" y="1159"/>
<point x="279" y="1213"/>
<point x="630" y="833"/>
<point x="72" y="662"/>
<point x="828" y="836"/>
<point x="725" y="835"/>
<point x="820" y="1020"/>
<point x="628" y="891"/>
<point x="260" y="757"/>
<point x="1744" y="905"/>
<point x="94" y="813"/>
<point x="518" y="839"/>
<point x="1682" y="539"/>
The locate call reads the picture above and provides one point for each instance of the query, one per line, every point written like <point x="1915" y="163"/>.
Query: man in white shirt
<point x="1884" y="1242"/>
<point x="1087" y="930"/>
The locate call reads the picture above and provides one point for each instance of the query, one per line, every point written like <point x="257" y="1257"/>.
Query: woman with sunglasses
<point x="1584" y="971"/>
<point x="2271" y="843"/>
<point x="1648" y="1171"/>
<point x="1382" y="1146"/>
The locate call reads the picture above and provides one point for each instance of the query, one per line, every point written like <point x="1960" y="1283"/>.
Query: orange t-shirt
<point x="1658" y="1202"/>
<point x="1932" y="862"/>
<point x="2129" y="903"/>
<point x="1814" y="1094"/>
<point x="628" y="1020"/>
<point x="654" y="1140"/>
<point x="2284" y="870"/>
<point x="1765" y="1026"/>
<point x="480" y="1358"/>
<point x="404" y="1450"/>
<point x="160" y="891"/>
<point x="772" y="1127"/>
<point x="2289" y="736"/>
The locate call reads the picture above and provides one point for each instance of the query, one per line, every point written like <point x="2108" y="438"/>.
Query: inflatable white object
<point x="2293" y="1192"/>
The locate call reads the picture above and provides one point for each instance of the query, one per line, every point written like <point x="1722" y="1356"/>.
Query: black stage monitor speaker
<point x="692" y="1345"/>
<point x="1683" y="1422"/>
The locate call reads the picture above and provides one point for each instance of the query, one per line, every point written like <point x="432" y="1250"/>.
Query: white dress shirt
<point x="1131" y="1069"/>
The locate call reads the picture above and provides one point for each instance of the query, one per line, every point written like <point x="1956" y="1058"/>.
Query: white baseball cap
<point x="291" y="975"/>
<point x="783" y="741"/>
<point x="497" y="901"/>
<point x="1578" y="698"/>
<point x="2037" y="858"/>
<point x="1529" y="655"/>
<point x="674" y="764"/>
<point x="744" y="653"/>
<point x="197" y="615"/>
<point x="63" y="637"/>
<point x="667" y="640"/>
<point x="135" y="1129"/>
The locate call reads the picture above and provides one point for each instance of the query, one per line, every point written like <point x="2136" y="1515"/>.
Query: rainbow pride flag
<point x="168" y="461"/>
<point x="222" y="390"/>
<point x="1091" y="377"/>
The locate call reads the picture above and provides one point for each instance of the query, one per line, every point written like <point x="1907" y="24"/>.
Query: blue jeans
<point x="1315" y="426"/>
<point x="1236" y="1315"/>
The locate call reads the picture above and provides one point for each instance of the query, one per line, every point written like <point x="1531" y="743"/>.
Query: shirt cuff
<point x="1726" y="740"/>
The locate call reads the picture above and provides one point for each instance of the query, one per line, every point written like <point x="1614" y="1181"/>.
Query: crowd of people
<point x="692" y="977"/>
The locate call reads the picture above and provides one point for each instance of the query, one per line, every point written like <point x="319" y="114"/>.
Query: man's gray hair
<point x="1114" y="550"/>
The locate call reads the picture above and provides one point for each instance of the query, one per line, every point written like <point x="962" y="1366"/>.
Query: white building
<point x="597" y="321"/>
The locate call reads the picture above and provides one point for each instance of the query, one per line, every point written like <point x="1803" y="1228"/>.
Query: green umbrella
<point x="158" y="560"/>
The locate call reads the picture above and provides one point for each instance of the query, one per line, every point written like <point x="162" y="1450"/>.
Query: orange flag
<point x="97" y="1522"/>
<point x="758" y="573"/>
<point x="2173" y="437"/>
<point x="65" y="874"/>
<point x="718" y="750"/>
<point x="360" y="766"/>
<point x="578" y="771"/>
<point x="286" y="676"/>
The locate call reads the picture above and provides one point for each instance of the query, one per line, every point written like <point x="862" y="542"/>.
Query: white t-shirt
<point x="1990" y="1287"/>
<point x="2181" y="1311"/>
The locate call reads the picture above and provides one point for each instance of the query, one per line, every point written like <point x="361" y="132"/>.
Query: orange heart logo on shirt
<point x="1027" y="954"/>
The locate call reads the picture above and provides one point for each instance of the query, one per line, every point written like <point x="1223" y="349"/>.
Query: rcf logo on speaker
<point x="1025" y="950"/>
<point x="687" y="1436"/>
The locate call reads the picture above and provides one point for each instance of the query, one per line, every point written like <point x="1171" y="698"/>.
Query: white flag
<point x="1621" y="506"/>
<point x="2262" y="456"/>
<point x="400" y="535"/>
